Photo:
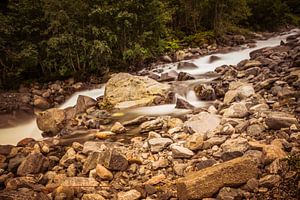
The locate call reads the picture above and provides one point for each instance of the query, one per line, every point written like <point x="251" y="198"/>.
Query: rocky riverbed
<point x="244" y="144"/>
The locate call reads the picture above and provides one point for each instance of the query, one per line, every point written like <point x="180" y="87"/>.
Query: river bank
<point x="242" y="142"/>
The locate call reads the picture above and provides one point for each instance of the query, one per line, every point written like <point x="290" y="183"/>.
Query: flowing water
<point x="29" y="128"/>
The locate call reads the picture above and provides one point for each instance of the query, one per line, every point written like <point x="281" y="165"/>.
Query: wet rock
<point x="181" y="152"/>
<point x="152" y="125"/>
<point x="104" y="173"/>
<point x="208" y="181"/>
<point x="202" y="123"/>
<point x="166" y="58"/>
<point x="165" y="77"/>
<point x="236" y="110"/>
<point x="278" y="120"/>
<point x="136" y="121"/>
<point x="183" y="104"/>
<point x="118" y="128"/>
<point x="33" y="164"/>
<point x="129" y="195"/>
<point x="183" y="76"/>
<point x="195" y="141"/>
<point x="228" y="193"/>
<point x="41" y="102"/>
<point x="269" y="181"/>
<point x="158" y="144"/>
<point x="113" y="160"/>
<point x="186" y="65"/>
<point x="213" y="58"/>
<point x="205" y="92"/>
<point x="83" y="103"/>
<point x="51" y="121"/>
<point x="135" y="90"/>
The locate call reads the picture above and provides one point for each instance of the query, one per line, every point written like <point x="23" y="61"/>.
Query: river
<point x="29" y="128"/>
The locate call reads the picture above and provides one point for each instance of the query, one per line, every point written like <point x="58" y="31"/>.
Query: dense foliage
<point x="51" y="39"/>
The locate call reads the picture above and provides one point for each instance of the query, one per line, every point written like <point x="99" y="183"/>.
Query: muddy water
<point x="29" y="129"/>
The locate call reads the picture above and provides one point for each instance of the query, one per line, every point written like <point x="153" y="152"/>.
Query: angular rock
<point x="22" y="195"/>
<point x="205" y="92"/>
<point x="214" y="141"/>
<point x="92" y="197"/>
<point x="202" y="123"/>
<point x="152" y="125"/>
<point x="79" y="182"/>
<point x="206" y="182"/>
<point x="33" y="164"/>
<point x="183" y="104"/>
<point x="138" y="90"/>
<point x="113" y="160"/>
<point x="238" y="144"/>
<point x="231" y="155"/>
<point x="181" y="152"/>
<point x="186" y="65"/>
<point x="118" y="128"/>
<point x="195" y="141"/>
<point x="83" y="103"/>
<point x="91" y="162"/>
<point x="228" y="193"/>
<point x="51" y="121"/>
<point x="104" y="173"/>
<point x="41" y="102"/>
<point x="68" y="158"/>
<point x="159" y="144"/>
<point x="205" y="163"/>
<point x="271" y="153"/>
<point x="278" y="120"/>
<point x="183" y="76"/>
<point x="269" y="181"/>
<point x="129" y="195"/>
<point x="236" y="110"/>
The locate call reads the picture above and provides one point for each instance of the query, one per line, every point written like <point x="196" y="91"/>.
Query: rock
<point x="33" y="164"/>
<point x="136" y="121"/>
<point x="252" y="184"/>
<point x="205" y="92"/>
<point x="207" y="182"/>
<point x="83" y="103"/>
<point x="92" y="197"/>
<point x="186" y="65"/>
<point x="22" y="195"/>
<point x="118" y="128"/>
<point x="161" y="163"/>
<point x="183" y="104"/>
<point x="205" y="163"/>
<point x="195" y="141"/>
<point x="227" y="129"/>
<point x="278" y="120"/>
<point x="91" y="162"/>
<point x="104" y="173"/>
<point x="236" y="110"/>
<point x="167" y="58"/>
<point x="228" y="193"/>
<point x="155" y="180"/>
<point x="181" y="152"/>
<point x="18" y="182"/>
<point x="231" y="155"/>
<point x="238" y="90"/>
<point x="214" y="141"/>
<point x="179" y="168"/>
<point x="41" y="102"/>
<point x="213" y="58"/>
<point x="68" y="158"/>
<point x="183" y="76"/>
<point x="51" y="121"/>
<point x="134" y="90"/>
<point x="269" y="181"/>
<point x="5" y="149"/>
<point x="113" y="160"/>
<point x="202" y="123"/>
<point x="251" y="63"/>
<point x="238" y="144"/>
<point x="79" y="183"/>
<point x="180" y="55"/>
<point x="152" y="125"/>
<point x="255" y="130"/>
<point x="165" y="77"/>
<point x="159" y="144"/>
<point x="271" y="153"/>
<point x="129" y="195"/>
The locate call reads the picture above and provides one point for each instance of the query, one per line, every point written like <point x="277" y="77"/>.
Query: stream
<point x="29" y="128"/>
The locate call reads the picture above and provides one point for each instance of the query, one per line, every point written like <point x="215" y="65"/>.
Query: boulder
<point x="238" y="90"/>
<point x="202" y="123"/>
<point x="214" y="58"/>
<point x="125" y="90"/>
<point x="33" y="164"/>
<point x="278" y="120"/>
<point x="51" y="121"/>
<point x="118" y="128"/>
<point x="206" y="182"/>
<point x="183" y="104"/>
<point x="205" y="92"/>
<point x="83" y="103"/>
<point x="41" y="102"/>
<point x="183" y="76"/>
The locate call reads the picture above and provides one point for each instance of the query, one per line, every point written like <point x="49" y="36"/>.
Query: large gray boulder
<point x="125" y="90"/>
